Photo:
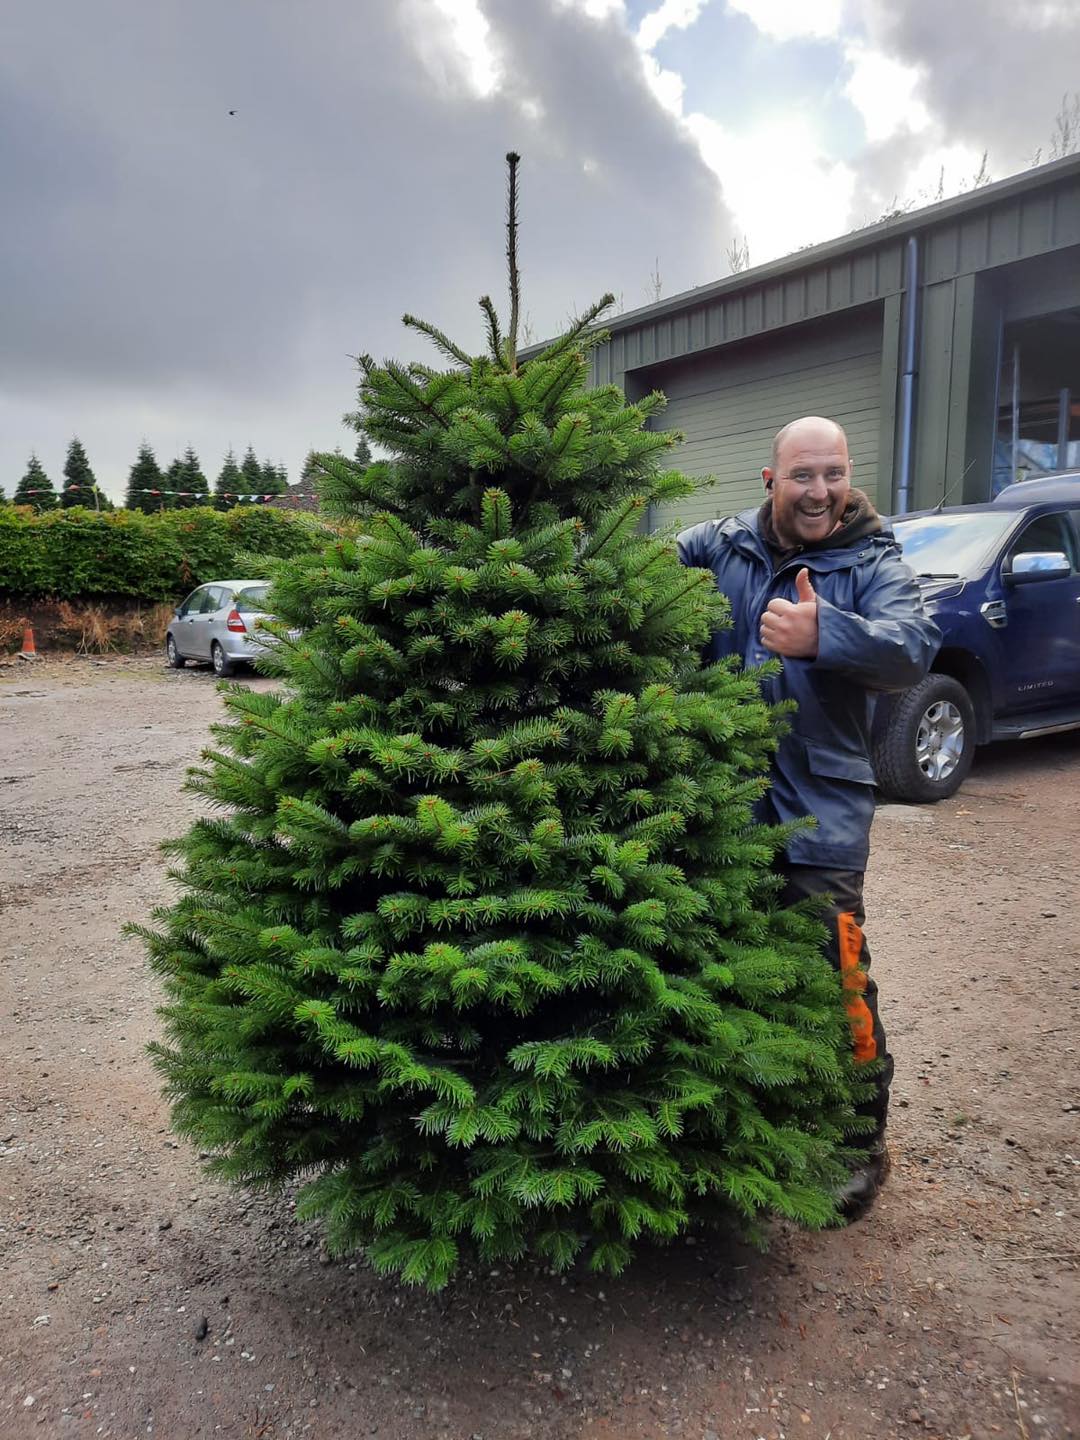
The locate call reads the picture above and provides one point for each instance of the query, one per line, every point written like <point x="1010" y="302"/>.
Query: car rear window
<point x="252" y="600"/>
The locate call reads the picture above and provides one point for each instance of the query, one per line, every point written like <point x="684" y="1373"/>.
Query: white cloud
<point x="941" y="171"/>
<point x="883" y="90"/>
<point x="781" y="187"/>
<point x="784" y="190"/>
<point x="469" y="37"/>
<point x="792" y="19"/>
<point x="669" y="15"/>
<point x="667" y="85"/>
<point x="595" y="9"/>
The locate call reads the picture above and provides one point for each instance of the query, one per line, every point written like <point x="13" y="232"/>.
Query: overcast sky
<point x="172" y="272"/>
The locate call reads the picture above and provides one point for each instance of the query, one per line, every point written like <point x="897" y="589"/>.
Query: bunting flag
<point x="181" y="494"/>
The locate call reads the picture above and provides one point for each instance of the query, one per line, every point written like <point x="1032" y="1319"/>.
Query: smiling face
<point x="809" y="480"/>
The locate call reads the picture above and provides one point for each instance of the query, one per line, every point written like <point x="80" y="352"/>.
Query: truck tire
<point x="924" y="748"/>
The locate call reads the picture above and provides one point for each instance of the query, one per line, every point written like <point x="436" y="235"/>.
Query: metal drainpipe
<point x="907" y="374"/>
<point x="1015" y="414"/>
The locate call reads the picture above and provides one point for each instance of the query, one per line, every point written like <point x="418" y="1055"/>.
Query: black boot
<point x="858" y="1193"/>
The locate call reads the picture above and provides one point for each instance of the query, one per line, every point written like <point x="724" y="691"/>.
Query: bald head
<point x="809" y="480"/>
<point x="815" y="428"/>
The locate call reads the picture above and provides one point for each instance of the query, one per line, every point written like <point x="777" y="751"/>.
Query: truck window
<point x="1046" y="533"/>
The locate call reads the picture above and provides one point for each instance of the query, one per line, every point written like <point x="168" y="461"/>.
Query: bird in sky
<point x="232" y="112"/>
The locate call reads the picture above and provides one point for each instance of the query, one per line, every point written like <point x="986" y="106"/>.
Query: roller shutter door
<point x="730" y="403"/>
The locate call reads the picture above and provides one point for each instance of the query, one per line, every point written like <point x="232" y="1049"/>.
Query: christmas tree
<point x="228" y="484"/>
<point x="481" y="942"/>
<point x="143" y="477"/>
<point x="310" y="470"/>
<point x="172" y="482"/>
<point x="275" y="479"/>
<point x="191" y="483"/>
<point x="35" y="488"/>
<point x="251" y="476"/>
<point x="80" y="487"/>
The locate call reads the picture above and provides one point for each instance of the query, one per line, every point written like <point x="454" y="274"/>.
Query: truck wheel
<point x="927" y="742"/>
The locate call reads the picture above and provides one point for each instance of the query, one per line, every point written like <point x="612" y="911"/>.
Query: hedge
<point x="69" y="554"/>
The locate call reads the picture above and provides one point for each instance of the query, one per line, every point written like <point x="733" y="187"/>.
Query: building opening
<point x="1038" y="415"/>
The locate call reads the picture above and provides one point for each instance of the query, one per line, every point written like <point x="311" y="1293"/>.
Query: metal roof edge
<point x="893" y="228"/>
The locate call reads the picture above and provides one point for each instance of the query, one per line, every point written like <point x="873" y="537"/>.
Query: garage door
<point x="730" y="403"/>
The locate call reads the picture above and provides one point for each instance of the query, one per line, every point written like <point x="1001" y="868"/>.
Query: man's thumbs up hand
<point x="792" y="629"/>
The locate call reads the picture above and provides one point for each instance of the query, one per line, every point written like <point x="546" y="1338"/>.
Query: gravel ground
<point x="138" y="1299"/>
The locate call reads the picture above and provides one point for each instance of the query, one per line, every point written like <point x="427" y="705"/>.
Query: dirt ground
<point x="138" y="1299"/>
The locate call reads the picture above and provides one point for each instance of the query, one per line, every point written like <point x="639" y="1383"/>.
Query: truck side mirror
<point x="1037" y="565"/>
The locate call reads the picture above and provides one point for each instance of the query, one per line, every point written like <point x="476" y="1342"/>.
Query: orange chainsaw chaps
<point x="853" y="978"/>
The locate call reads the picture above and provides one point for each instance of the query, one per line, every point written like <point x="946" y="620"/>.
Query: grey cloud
<point x="883" y="178"/>
<point x="169" y="268"/>
<point x="994" y="75"/>
<point x="996" y="70"/>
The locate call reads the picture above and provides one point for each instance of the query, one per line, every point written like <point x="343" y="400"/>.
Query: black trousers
<point x="850" y="955"/>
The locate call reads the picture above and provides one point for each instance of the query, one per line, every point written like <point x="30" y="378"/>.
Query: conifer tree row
<point x="187" y="477"/>
<point x="172" y="482"/>
<point x="36" y="488"/>
<point x="144" y="477"/>
<point x="251" y="473"/>
<point x="80" y="484"/>
<point x="275" y="479"/>
<point x="480" y="940"/>
<point x="229" y="484"/>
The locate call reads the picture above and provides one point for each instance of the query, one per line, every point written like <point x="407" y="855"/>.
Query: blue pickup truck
<point x="1002" y="581"/>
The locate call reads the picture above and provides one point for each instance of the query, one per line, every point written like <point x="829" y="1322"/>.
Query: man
<point x="813" y="576"/>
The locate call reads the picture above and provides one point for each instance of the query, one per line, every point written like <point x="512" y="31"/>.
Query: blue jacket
<point x="872" y="635"/>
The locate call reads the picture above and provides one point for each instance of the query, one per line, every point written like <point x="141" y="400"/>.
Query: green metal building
<point x="946" y="341"/>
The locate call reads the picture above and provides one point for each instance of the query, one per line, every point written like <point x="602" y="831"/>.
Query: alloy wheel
<point x="939" y="740"/>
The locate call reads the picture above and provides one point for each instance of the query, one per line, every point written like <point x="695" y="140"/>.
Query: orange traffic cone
<point x="29" y="649"/>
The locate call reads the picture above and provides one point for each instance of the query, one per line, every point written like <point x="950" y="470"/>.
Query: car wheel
<point x="924" y="749"/>
<point x="223" y="666"/>
<point x="173" y="658"/>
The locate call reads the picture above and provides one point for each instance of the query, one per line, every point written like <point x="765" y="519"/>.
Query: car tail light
<point x="235" y="622"/>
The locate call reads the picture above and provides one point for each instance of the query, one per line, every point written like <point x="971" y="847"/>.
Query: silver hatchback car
<point x="216" y="623"/>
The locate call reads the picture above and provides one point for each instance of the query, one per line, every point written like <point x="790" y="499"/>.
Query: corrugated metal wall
<point x="730" y="404"/>
<point x="972" y="250"/>
<point x="1027" y="215"/>
<point x="845" y="283"/>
